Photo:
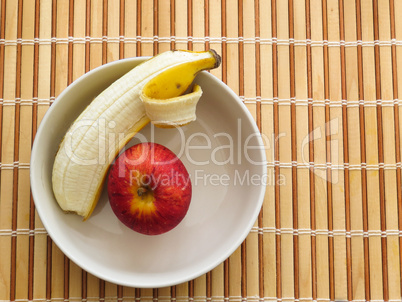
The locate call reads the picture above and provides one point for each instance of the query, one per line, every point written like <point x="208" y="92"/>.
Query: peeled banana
<point x="152" y="91"/>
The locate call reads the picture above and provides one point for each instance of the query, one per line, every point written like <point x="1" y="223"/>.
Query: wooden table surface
<point x="321" y="79"/>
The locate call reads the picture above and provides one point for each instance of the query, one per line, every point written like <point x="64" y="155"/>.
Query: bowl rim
<point x="34" y="184"/>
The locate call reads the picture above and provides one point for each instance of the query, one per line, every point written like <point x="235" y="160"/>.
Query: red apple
<point x="149" y="189"/>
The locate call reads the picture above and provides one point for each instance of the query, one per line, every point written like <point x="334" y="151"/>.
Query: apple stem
<point x="141" y="191"/>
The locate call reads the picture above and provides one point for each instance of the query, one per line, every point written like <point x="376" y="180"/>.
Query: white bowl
<point x="223" y="152"/>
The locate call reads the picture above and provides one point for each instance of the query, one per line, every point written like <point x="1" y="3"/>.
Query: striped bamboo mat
<point x="321" y="78"/>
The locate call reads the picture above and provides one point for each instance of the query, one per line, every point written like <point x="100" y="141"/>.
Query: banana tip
<point x="217" y="57"/>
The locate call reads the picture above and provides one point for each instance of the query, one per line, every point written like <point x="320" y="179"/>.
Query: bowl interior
<point x="224" y="155"/>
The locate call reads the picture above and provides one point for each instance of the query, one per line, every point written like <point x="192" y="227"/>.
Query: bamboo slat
<point x="321" y="79"/>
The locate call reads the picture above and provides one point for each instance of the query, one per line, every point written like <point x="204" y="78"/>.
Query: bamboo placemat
<point x="321" y="79"/>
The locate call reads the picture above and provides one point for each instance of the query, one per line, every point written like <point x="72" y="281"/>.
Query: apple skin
<point x="149" y="189"/>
